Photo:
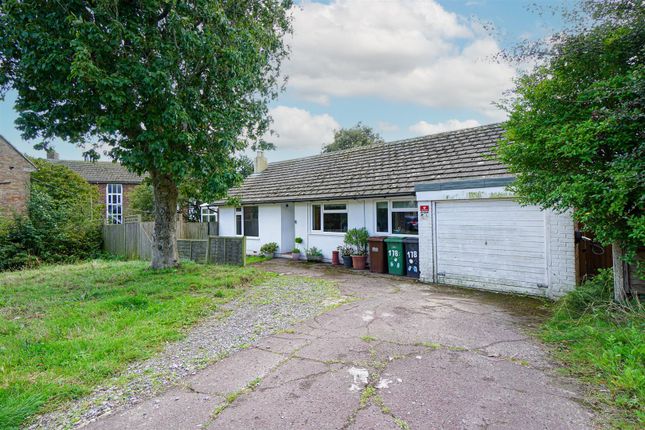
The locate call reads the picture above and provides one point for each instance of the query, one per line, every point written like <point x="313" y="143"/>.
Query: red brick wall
<point x="15" y="176"/>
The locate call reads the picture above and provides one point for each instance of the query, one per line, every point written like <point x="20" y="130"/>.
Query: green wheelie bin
<point x="395" y="256"/>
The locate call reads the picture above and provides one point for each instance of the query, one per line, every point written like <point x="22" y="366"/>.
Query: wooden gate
<point x="590" y="256"/>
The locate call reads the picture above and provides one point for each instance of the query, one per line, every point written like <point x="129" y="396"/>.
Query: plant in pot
<point x="346" y="252"/>
<point x="314" y="254"/>
<point x="295" y="252"/>
<point x="358" y="238"/>
<point x="268" y="250"/>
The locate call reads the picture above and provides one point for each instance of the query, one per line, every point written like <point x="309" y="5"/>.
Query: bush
<point x="269" y="248"/>
<point x="604" y="343"/>
<point x="62" y="224"/>
<point x="358" y="238"/>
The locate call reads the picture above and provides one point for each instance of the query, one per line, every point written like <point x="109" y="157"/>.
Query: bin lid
<point x="411" y="240"/>
<point x="394" y="239"/>
<point x="377" y="238"/>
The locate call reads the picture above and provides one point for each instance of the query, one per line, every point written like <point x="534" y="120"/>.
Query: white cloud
<point x="298" y="129"/>
<point x="409" y="50"/>
<point x="422" y="127"/>
<point x="387" y="127"/>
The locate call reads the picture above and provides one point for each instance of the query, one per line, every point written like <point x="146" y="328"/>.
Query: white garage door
<point x="493" y="244"/>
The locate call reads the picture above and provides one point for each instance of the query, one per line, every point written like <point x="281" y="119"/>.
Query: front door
<point x="288" y="228"/>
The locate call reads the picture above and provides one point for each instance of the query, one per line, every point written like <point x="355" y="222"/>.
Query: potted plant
<point x="295" y="252"/>
<point x="358" y="238"/>
<point x="268" y="250"/>
<point x="346" y="254"/>
<point x="314" y="254"/>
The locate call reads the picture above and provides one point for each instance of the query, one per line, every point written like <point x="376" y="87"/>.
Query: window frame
<point x="240" y="212"/>
<point x="207" y="212"/>
<point x="114" y="200"/>
<point x="390" y="210"/>
<point x="324" y="211"/>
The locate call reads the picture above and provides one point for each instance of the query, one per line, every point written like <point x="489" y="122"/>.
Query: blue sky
<point x="404" y="67"/>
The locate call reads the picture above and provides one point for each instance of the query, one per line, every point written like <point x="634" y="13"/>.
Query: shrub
<point x="63" y="221"/>
<point x="314" y="252"/>
<point x="269" y="248"/>
<point x="358" y="237"/>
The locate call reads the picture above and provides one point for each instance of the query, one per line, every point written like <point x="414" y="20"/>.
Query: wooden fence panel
<point x="131" y="239"/>
<point x="227" y="250"/>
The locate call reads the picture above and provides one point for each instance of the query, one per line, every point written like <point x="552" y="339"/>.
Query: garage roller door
<point x="492" y="244"/>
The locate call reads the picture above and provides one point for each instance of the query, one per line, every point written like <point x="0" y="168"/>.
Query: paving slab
<point x="175" y="410"/>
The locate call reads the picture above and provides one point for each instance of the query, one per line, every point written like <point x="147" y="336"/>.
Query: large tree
<point x="173" y="88"/>
<point x="346" y="138"/>
<point x="576" y="133"/>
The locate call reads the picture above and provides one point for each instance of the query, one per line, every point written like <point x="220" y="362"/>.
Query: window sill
<point x="325" y="233"/>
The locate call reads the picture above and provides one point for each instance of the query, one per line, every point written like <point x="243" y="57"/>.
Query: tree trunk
<point x="164" y="239"/>
<point x="621" y="279"/>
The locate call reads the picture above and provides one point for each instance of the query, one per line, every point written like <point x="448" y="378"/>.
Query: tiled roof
<point x="387" y="169"/>
<point x="101" y="172"/>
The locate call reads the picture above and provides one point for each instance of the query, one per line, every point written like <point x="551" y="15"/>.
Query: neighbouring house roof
<point x="101" y="172"/>
<point x="381" y="170"/>
<point x="27" y="160"/>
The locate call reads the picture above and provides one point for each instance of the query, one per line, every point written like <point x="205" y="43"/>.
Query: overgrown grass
<point x="65" y="329"/>
<point x="603" y="343"/>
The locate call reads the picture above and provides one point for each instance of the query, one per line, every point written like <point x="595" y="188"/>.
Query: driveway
<point x="402" y="355"/>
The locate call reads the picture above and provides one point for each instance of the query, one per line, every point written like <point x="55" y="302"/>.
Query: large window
<point x="247" y="221"/>
<point x="114" y="203"/>
<point x="397" y="217"/>
<point x="329" y="217"/>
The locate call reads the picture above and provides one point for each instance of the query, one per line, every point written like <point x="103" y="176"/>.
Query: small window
<point x="208" y="214"/>
<point x="238" y="221"/>
<point x="335" y="207"/>
<point x="335" y="222"/>
<point x="407" y="204"/>
<point x="315" y="217"/>
<point x="251" y="221"/>
<point x="382" y="217"/>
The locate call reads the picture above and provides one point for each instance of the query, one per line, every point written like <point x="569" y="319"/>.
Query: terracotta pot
<point x="335" y="260"/>
<point x="347" y="261"/>
<point x="295" y="255"/>
<point x="359" y="261"/>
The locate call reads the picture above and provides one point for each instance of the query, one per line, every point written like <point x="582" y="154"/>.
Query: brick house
<point x="114" y="183"/>
<point x="15" y="178"/>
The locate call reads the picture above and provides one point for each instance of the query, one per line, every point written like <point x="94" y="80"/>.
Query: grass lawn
<point x="65" y="329"/>
<point x="605" y="345"/>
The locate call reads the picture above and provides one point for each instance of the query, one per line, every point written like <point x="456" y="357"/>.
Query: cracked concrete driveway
<point x="403" y="355"/>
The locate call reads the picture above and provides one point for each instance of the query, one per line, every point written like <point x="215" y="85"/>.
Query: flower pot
<point x="335" y="260"/>
<point x="359" y="262"/>
<point x="295" y="255"/>
<point x="347" y="261"/>
<point x="268" y="255"/>
<point x="314" y="258"/>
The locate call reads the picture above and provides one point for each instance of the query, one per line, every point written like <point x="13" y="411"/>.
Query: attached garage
<point x="476" y="235"/>
<point x="490" y="243"/>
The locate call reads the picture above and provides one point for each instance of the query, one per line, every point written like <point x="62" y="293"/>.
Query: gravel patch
<point x="273" y="306"/>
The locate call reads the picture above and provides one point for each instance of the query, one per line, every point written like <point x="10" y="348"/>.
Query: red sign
<point x="424" y="208"/>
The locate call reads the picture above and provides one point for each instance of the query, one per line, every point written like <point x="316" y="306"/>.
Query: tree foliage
<point x="359" y="135"/>
<point x="576" y="133"/>
<point x="63" y="221"/>
<point x="171" y="88"/>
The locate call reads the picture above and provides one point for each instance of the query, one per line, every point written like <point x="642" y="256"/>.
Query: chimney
<point x="260" y="164"/>
<point x="52" y="154"/>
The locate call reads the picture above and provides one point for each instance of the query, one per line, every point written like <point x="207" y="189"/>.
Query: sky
<point x="404" y="67"/>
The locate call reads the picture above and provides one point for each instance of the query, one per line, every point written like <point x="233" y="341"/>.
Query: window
<point x="315" y="218"/>
<point x="382" y="211"/>
<point x="251" y="223"/>
<point x="397" y="217"/>
<point x="208" y="214"/>
<point x="114" y="203"/>
<point x="238" y="221"/>
<point x="405" y="217"/>
<point x="330" y="218"/>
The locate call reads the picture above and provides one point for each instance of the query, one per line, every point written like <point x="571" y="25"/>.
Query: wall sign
<point x="424" y="209"/>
